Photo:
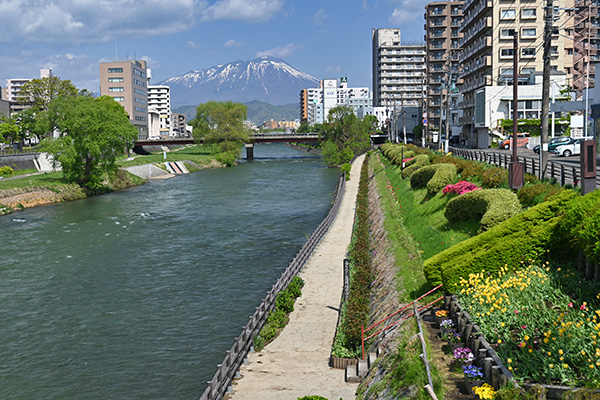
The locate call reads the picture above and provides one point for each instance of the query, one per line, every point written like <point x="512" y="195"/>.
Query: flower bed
<point x="536" y="332"/>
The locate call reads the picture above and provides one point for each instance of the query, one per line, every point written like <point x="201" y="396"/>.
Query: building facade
<point x="159" y="110"/>
<point x="127" y="83"/>
<point x="398" y="70"/>
<point x="586" y="38"/>
<point x="442" y="38"/>
<point x="486" y="58"/>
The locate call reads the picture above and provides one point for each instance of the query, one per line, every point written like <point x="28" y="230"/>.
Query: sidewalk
<point x="296" y="364"/>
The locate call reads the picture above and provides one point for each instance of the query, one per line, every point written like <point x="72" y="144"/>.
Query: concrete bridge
<point x="275" y="137"/>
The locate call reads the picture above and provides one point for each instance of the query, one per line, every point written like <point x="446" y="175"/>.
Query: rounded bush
<point x="435" y="177"/>
<point x="419" y="161"/>
<point x="491" y="206"/>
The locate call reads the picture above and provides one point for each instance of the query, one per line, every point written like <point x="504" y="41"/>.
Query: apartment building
<point x="315" y="103"/>
<point x="159" y="111"/>
<point x="127" y="83"/>
<point x="442" y="38"/>
<point x="486" y="59"/>
<point x="586" y="39"/>
<point x="398" y="70"/>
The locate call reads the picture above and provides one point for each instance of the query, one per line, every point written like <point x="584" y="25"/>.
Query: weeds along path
<point x="296" y="363"/>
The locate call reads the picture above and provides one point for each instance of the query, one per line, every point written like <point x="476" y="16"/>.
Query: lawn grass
<point x="199" y="154"/>
<point x="48" y="179"/>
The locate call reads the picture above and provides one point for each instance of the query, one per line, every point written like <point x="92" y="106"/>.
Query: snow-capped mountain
<point x="267" y="79"/>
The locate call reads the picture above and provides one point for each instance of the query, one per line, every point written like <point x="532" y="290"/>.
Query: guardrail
<point x="234" y="357"/>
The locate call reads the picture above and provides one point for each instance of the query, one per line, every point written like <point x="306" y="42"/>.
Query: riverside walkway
<point x="296" y="363"/>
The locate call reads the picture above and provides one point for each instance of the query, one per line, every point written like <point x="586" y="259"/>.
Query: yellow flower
<point x="499" y="341"/>
<point x="549" y="354"/>
<point x="560" y="352"/>
<point x="509" y="361"/>
<point x="566" y="366"/>
<point x="551" y="366"/>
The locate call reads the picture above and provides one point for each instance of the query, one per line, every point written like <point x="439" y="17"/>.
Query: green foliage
<point x="39" y="93"/>
<point x="303" y="128"/>
<point x="435" y="177"/>
<point x="9" y="130"/>
<point x="494" y="177"/>
<point x="6" y="170"/>
<point x="581" y="225"/>
<point x="345" y="168"/>
<point x="536" y="193"/>
<point x="534" y="231"/>
<point x="279" y="317"/>
<point x="94" y="133"/>
<point x="419" y="161"/>
<point x="348" y="134"/>
<point x="312" y="398"/>
<point x="221" y="124"/>
<point x="489" y="206"/>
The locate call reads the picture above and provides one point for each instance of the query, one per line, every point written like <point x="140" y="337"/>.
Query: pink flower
<point x="524" y="327"/>
<point x="582" y="307"/>
<point x="516" y="311"/>
<point x="571" y="304"/>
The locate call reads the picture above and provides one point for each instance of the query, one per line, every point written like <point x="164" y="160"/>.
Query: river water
<point x="138" y="294"/>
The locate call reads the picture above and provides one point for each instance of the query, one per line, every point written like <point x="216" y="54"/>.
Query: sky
<point x="326" y="38"/>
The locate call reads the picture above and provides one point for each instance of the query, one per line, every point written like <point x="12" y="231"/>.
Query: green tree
<point x="39" y="93"/>
<point x="93" y="133"/>
<point x="9" y="129"/>
<point x="222" y="125"/>
<point x="347" y="133"/>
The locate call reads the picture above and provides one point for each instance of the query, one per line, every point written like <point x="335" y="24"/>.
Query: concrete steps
<point x="357" y="372"/>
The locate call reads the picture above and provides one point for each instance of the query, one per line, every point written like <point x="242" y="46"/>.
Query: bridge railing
<point x="234" y="357"/>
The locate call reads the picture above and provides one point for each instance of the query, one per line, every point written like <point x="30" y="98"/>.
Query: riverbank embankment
<point x="296" y="363"/>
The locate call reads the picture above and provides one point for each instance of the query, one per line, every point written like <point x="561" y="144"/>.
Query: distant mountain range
<point x="258" y="112"/>
<point x="265" y="79"/>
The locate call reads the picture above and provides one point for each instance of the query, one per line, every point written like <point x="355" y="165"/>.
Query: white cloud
<point x="333" y="69"/>
<point x="319" y="17"/>
<point x="192" y="45"/>
<point x="234" y="43"/>
<point x="408" y="11"/>
<point x="90" y="21"/>
<point x="251" y="11"/>
<point x="281" y="52"/>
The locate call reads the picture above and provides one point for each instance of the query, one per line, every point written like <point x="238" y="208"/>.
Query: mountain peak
<point x="265" y="78"/>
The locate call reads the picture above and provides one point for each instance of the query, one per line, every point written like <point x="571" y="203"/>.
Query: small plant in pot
<point x="464" y="355"/>
<point x="446" y="327"/>
<point x="473" y="377"/>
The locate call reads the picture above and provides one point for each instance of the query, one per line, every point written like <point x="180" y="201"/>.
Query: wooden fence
<point x="234" y="357"/>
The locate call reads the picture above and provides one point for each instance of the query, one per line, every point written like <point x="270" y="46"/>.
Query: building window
<point x="528" y="70"/>
<point x="119" y="98"/>
<point x="140" y="109"/>
<point x="554" y="51"/>
<point x="508" y="13"/>
<point x="139" y="73"/>
<point x="528" y="33"/>
<point x="528" y="13"/>
<point x="116" y="89"/>
<point x="115" y="70"/>
<point x="140" y="92"/>
<point x="528" y="52"/>
<point x="138" y="100"/>
<point x="140" y="83"/>
<point x="506" y="71"/>
<point x="507" y="53"/>
<point x="507" y="33"/>
<point x="115" y="80"/>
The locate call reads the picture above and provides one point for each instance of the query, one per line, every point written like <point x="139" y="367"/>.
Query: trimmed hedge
<point x="530" y="233"/>
<point x="419" y="161"/>
<point x="582" y="225"/>
<point x="491" y="206"/>
<point x="435" y="177"/>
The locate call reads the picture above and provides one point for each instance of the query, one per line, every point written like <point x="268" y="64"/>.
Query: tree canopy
<point x="93" y="133"/>
<point x="345" y="136"/>
<point x="222" y="125"/>
<point x="39" y="93"/>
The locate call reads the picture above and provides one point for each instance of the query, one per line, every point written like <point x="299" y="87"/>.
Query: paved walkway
<point x="296" y="364"/>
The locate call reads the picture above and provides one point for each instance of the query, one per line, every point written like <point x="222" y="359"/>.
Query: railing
<point x="218" y="386"/>
<point x="386" y="327"/>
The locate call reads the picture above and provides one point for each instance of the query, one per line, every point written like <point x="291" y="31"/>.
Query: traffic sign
<point x="424" y="121"/>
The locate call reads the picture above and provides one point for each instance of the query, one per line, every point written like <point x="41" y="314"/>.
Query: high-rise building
<point x="127" y="83"/>
<point x="442" y="37"/>
<point x="486" y="61"/>
<point x="586" y="37"/>
<point x="159" y="103"/>
<point x="398" y="70"/>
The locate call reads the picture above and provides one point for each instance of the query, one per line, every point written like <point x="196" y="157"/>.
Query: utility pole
<point x="516" y="171"/>
<point x="403" y="122"/>
<point x="548" y="17"/>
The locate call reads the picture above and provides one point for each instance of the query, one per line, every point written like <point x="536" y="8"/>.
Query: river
<point x="138" y="294"/>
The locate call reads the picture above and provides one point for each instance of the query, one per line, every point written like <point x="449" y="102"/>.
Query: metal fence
<point x="234" y="357"/>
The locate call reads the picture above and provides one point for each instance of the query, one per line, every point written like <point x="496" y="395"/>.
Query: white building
<point x="159" y="111"/>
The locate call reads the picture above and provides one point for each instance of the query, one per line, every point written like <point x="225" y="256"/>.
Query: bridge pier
<point x="249" y="151"/>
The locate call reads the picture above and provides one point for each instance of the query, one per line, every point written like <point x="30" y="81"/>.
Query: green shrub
<point x="312" y="398"/>
<point x="419" y="161"/>
<point x="490" y="206"/>
<point x="6" y="170"/>
<point x="530" y="233"/>
<point x="435" y="177"/>
<point x="536" y="193"/>
<point x="494" y="177"/>
<point x="581" y="225"/>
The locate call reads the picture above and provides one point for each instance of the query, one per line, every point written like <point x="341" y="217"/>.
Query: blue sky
<point x="326" y="39"/>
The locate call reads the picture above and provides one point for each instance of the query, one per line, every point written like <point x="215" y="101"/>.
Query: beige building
<point x="127" y="83"/>
<point x="442" y="38"/>
<point x="487" y="57"/>
<point x="586" y="38"/>
<point x="398" y="70"/>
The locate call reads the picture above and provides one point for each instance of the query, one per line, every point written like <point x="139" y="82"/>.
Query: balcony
<point x="476" y="29"/>
<point x="475" y="12"/>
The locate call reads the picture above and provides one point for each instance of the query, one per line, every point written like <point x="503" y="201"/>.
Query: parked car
<point x="573" y="147"/>
<point x="553" y="144"/>
<point x="522" y="140"/>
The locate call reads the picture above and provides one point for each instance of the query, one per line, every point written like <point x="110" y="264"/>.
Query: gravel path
<point x="296" y="364"/>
